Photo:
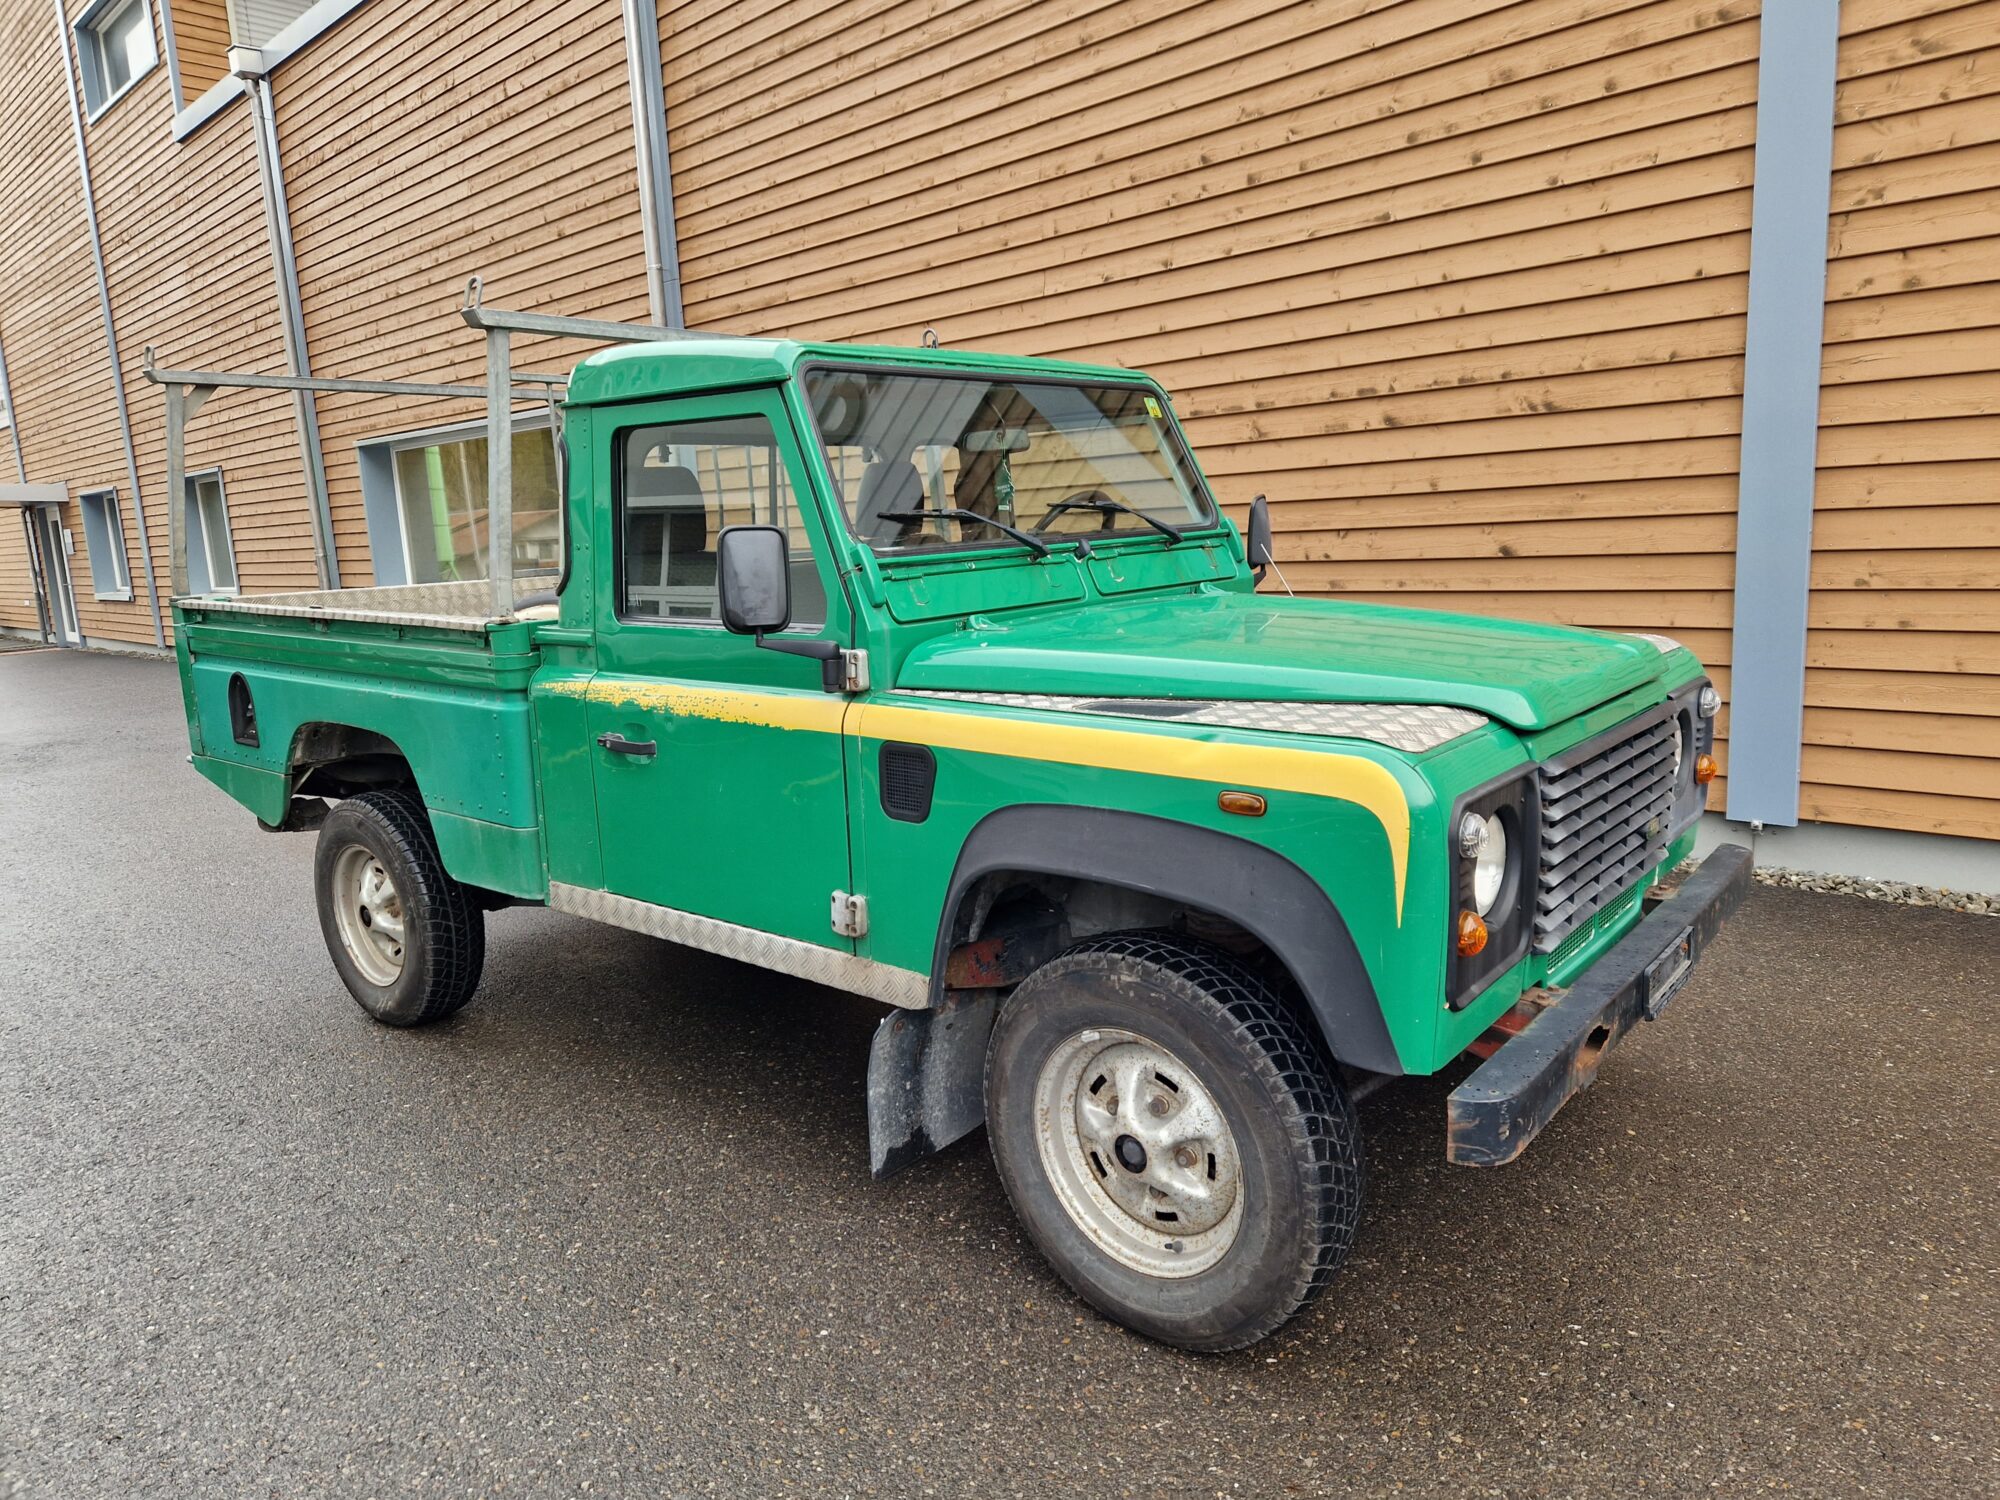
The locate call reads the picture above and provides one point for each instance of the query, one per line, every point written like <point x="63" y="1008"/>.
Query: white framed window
<point x="104" y="538"/>
<point x="426" y="499"/>
<point x="211" y="556"/>
<point x="115" y="46"/>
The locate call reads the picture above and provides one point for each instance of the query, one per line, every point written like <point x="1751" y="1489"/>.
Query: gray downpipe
<point x="656" y="182"/>
<point x="284" y="265"/>
<point x="13" y="419"/>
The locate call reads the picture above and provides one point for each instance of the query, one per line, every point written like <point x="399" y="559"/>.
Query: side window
<point x="211" y="556"/>
<point x="104" y="536"/>
<point x="114" y="44"/>
<point x="680" y="483"/>
<point x="426" y="503"/>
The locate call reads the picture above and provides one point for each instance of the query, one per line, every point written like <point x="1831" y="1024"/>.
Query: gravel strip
<point x="1881" y="890"/>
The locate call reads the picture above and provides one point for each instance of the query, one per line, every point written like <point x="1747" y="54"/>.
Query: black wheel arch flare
<point x="1257" y="888"/>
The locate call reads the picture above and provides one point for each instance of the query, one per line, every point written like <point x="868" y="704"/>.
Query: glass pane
<point x="125" y="43"/>
<point x="441" y="489"/>
<point x="198" y="577"/>
<point x="104" y="543"/>
<point x="682" y="482"/>
<point x="215" y="526"/>
<point x="1040" y="456"/>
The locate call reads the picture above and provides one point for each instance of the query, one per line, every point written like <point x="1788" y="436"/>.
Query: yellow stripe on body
<point x="815" y="711"/>
<point x="1315" y="773"/>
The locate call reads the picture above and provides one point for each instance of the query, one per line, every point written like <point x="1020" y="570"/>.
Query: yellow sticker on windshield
<point x="1153" y="408"/>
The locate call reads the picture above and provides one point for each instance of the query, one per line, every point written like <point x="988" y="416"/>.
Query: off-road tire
<point x="1297" y="1138"/>
<point x="444" y="943"/>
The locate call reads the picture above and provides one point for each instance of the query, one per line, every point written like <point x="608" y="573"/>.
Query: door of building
<point x="45" y="533"/>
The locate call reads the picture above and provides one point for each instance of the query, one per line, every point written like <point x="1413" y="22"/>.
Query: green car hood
<point x="1255" y="647"/>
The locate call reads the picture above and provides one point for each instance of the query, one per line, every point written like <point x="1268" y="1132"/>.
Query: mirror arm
<point x="832" y="671"/>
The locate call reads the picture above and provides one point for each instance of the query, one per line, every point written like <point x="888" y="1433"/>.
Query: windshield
<point x="1052" y="459"/>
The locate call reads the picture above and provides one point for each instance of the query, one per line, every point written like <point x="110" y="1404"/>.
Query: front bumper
<point x="1491" y="1117"/>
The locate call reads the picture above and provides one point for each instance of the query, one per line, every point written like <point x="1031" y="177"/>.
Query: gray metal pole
<point x="488" y="318"/>
<point x="321" y="383"/>
<point x="499" y="473"/>
<point x="13" y="419"/>
<point x="1784" y="325"/>
<point x="177" y="571"/>
<point x="284" y="265"/>
<point x="110" y="326"/>
<point x="649" y="139"/>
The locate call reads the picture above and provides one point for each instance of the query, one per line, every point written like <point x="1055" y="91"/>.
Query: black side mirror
<point x="753" y="579"/>
<point x="1259" y="540"/>
<point x="753" y="585"/>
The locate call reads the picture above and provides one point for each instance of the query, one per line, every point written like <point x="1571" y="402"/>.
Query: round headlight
<point x="1710" y="702"/>
<point x="1489" y="865"/>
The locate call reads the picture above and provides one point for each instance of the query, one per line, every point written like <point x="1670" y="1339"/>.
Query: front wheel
<point x="1172" y="1139"/>
<point x="408" y="940"/>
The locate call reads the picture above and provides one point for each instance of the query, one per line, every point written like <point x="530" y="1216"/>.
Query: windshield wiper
<point x="1103" y="505"/>
<point x="954" y="513"/>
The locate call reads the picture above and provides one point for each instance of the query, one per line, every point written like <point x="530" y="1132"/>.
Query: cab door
<point x="721" y="789"/>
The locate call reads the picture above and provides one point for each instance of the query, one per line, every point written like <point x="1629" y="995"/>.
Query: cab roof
<point x="699" y="362"/>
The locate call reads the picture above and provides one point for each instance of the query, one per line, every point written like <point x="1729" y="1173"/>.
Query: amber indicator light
<point x="1248" y="804"/>
<point x="1471" y="933"/>
<point x="1704" y="769"/>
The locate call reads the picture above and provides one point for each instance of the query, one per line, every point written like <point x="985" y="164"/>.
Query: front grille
<point x="1604" y="808"/>
<point x="1582" y="936"/>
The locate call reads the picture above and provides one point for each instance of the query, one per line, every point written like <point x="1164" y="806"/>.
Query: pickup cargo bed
<point x="276" y="684"/>
<point x="439" y="606"/>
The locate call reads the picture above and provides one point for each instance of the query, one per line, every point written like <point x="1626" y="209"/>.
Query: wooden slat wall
<point x="54" y="333"/>
<point x="49" y="305"/>
<point x="1459" y="284"/>
<point x="201" y="43"/>
<point x="1902" y="724"/>
<point x="498" y="143"/>
<point x="190" y="273"/>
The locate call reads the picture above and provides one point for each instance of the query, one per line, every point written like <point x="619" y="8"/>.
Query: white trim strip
<point x="842" y="971"/>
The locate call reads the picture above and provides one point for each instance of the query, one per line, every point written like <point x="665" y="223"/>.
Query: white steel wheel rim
<point x="368" y="910"/>
<point x="1138" y="1152"/>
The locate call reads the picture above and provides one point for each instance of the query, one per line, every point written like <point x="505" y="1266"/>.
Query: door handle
<point x="617" y="744"/>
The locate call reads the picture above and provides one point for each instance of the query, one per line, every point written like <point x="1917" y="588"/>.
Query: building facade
<point x="1648" y="316"/>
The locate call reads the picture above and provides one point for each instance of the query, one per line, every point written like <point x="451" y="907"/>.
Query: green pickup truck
<point x="940" y="678"/>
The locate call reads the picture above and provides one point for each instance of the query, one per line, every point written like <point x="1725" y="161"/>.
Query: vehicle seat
<point x="669" y="568"/>
<point x="690" y="560"/>
<point x="888" y="484"/>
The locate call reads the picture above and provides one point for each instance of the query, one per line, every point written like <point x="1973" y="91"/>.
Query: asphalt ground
<point x="611" y="1230"/>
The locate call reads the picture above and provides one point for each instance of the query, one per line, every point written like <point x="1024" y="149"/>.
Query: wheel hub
<point x="1138" y="1152"/>
<point x="368" y="910"/>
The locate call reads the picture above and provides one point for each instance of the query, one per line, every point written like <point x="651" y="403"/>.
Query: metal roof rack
<point x="188" y="389"/>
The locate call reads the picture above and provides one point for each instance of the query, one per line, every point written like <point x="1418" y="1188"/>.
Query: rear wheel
<point x="1172" y="1139"/>
<point x="408" y="940"/>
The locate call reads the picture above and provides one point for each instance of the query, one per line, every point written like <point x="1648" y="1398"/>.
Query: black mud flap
<point x="926" y="1078"/>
